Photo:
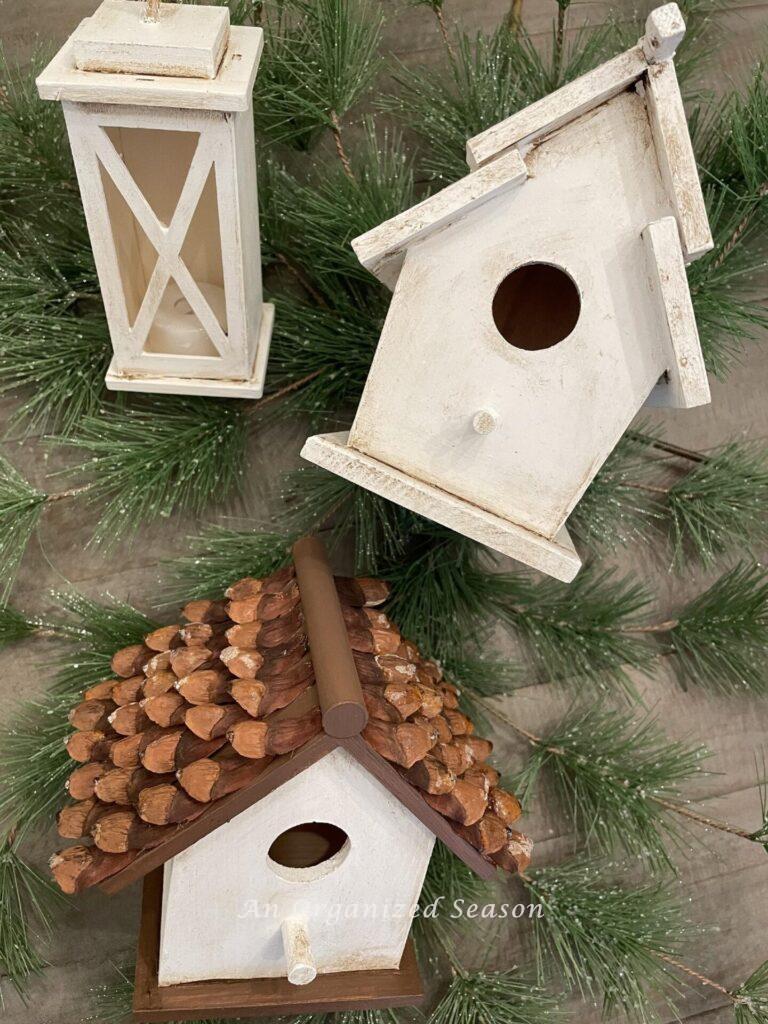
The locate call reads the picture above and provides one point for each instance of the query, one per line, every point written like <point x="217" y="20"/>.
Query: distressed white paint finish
<point x="170" y="199"/>
<point x="676" y="159"/>
<point x="382" y="249"/>
<point x="356" y="906"/>
<point x="560" y="107"/>
<point x="230" y="90"/>
<point x="183" y="42"/>
<point x="685" y="383"/>
<point x="664" y="31"/>
<point x="593" y="188"/>
<point x="556" y="557"/>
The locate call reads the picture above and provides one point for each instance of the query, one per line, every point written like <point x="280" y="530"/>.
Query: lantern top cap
<point x="230" y="90"/>
<point x="134" y="37"/>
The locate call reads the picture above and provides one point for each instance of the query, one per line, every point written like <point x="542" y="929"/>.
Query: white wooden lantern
<point x="538" y="303"/>
<point x="159" y="116"/>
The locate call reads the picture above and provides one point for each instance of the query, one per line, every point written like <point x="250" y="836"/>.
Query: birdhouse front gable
<point x="538" y="304"/>
<point x="331" y="847"/>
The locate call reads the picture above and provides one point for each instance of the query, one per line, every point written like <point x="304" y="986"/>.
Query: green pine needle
<point x="159" y="458"/>
<point x="719" y="506"/>
<point x="57" y="364"/>
<point x="34" y="764"/>
<point x="720" y="639"/>
<point x="489" y="78"/>
<point x="580" y="632"/>
<point x="379" y="528"/>
<point x="323" y="58"/>
<point x="606" y="939"/>
<point x="14" y="626"/>
<point x="28" y="903"/>
<point x="21" y="506"/>
<point x="608" y="771"/>
<point x="751" y="998"/>
<point x="219" y="556"/>
<point x="495" y="997"/>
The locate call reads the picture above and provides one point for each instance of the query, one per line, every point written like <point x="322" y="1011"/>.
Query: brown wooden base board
<point x="259" y="997"/>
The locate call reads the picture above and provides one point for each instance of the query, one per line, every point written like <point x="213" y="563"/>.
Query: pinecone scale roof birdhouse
<point x="280" y="760"/>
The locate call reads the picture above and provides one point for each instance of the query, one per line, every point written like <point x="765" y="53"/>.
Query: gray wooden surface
<point x="723" y="881"/>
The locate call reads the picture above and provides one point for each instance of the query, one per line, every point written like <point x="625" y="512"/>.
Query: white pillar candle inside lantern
<point x="158" y="104"/>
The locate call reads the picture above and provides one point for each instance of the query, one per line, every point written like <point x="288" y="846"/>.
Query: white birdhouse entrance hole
<point x="536" y="306"/>
<point x="309" y="850"/>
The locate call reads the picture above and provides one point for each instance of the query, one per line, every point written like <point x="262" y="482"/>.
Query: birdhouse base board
<point x="205" y="387"/>
<point x="259" y="997"/>
<point x="556" y="557"/>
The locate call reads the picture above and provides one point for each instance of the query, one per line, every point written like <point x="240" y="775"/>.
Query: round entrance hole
<point x="536" y="306"/>
<point x="311" y="849"/>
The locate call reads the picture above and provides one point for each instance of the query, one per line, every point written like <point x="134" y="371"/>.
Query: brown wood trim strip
<point x="257" y="997"/>
<point x="412" y="799"/>
<point x="220" y="811"/>
<point x="338" y="684"/>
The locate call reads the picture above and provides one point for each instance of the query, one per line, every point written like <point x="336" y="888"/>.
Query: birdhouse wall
<point x="224" y="898"/>
<point x="170" y="200"/>
<point x="554" y="413"/>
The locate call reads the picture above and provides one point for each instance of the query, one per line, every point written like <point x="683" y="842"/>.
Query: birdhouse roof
<point x="496" y="156"/>
<point x="206" y="717"/>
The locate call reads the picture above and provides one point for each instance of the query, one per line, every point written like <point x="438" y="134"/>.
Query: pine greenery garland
<point x="140" y="459"/>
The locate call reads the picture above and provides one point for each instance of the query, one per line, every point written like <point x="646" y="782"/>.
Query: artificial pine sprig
<point x="719" y="640"/>
<point x="495" y="997"/>
<point x="28" y="903"/>
<point x="749" y="1000"/>
<point x="607" y="940"/>
<point x="157" y="458"/>
<point x="616" y="778"/>
<point x="20" y="508"/>
<point x="219" y="555"/>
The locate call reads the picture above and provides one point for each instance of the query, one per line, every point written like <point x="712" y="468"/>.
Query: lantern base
<point x="259" y="997"/>
<point x="204" y="387"/>
<point x="556" y="557"/>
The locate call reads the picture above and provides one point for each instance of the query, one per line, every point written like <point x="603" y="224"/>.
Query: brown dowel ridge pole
<point x="338" y="684"/>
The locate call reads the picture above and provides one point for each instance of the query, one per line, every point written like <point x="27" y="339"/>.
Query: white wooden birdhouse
<point x="538" y="304"/>
<point x="158" y="105"/>
<point x="277" y="770"/>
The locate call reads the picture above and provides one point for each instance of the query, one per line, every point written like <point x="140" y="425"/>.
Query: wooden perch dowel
<point x="338" y="685"/>
<point x="80" y="867"/>
<point x="300" y="966"/>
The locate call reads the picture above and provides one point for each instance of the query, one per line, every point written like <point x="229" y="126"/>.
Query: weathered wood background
<point x="723" y="881"/>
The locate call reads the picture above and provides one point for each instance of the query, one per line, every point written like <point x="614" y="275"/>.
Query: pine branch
<point x="33" y="760"/>
<point x="324" y="58"/>
<point x="159" y="458"/>
<point x="15" y="626"/>
<point x="28" y="903"/>
<point x="489" y="78"/>
<point x="609" y="772"/>
<point x="219" y="555"/>
<point x="607" y="940"/>
<point x="20" y="508"/>
<point x="751" y="998"/>
<point x="494" y="997"/>
<point x="719" y="640"/>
